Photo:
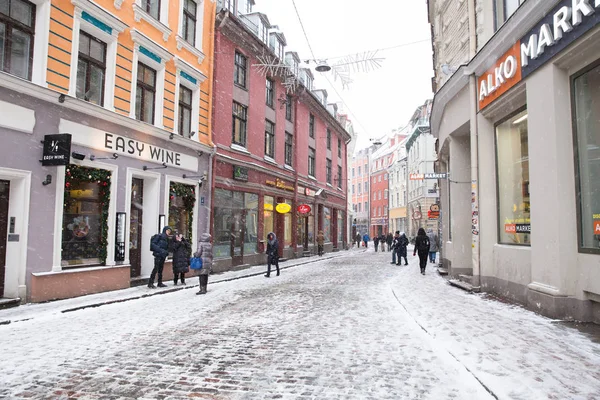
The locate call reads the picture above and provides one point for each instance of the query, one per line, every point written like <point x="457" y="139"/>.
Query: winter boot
<point x="151" y="286"/>
<point x="160" y="284"/>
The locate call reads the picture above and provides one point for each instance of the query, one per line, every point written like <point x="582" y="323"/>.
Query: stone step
<point x="442" y="271"/>
<point x="466" y="278"/>
<point x="463" y="285"/>
<point x="8" y="303"/>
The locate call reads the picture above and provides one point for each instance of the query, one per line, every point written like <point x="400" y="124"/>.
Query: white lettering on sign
<point x="506" y="70"/>
<point x="113" y="143"/>
<point x="548" y="35"/>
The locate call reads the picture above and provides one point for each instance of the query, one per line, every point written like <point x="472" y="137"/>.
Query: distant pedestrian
<point x="401" y="248"/>
<point x="422" y="248"/>
<point x="366" y="239"/>
<point x="181" y="258"/>
<point x="358" y="240"/>
<point x="434" y="244"/>
<point x="159" y="245"/>
<point x="382" y="242"/>
<point x="205" y="251"/>
<point x="272" y="253"/>
<point x="376" y="242"/>
<point x="320" y="243"/>
<point x="389" y="239"/>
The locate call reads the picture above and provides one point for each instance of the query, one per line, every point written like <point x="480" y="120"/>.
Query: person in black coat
<point x="389" y="239"/>
<point x="272" y="253"/>
<point x="422" y="248"/>
<point x="181" y="258"/>
<point x="159" y="245"/>
<point x="402" y="249"/>
<point x="376" y="242"/>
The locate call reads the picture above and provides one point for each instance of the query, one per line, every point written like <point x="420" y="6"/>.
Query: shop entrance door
<point x="237" y="233"/>
<point x="4" y="193"/>
<point x="135" y="226"/>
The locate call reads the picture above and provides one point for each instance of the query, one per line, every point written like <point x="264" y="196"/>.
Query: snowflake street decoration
<point x="271" y="66"/>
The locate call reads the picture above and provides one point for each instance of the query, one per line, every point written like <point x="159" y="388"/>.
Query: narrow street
<point x="352" y="327"/>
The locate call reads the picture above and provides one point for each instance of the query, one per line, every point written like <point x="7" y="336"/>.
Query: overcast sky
<point x="380" y="100"/>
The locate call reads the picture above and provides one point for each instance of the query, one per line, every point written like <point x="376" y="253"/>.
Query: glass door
<point x="135" y="226"/>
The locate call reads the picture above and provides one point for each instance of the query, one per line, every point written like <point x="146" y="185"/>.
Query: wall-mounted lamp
<point x="201" y="178"/>
<point x="61" y="98"/>
<point x="145" y="168"/>
<point x="113" y="157"/>
<point x="48" y="180"/>
<point x="78" y="156"/>
<point x="200" y="153"/>
<point x="192" y="134"/>
<point x="171" y="135"/>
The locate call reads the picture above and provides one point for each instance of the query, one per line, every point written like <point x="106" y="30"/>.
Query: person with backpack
<point x="272" y="253"/>
<point x="434" y="242"/>
<point x="205" y="251"/>
<point x="181" y="258"/>
<point x="422" y="246"/>
<point x="159" y="245"/>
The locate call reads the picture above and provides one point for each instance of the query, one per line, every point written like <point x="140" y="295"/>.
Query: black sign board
<point x="240" y="173"/>
<point x="523" y="228"/>
<point x="57" y="149"/>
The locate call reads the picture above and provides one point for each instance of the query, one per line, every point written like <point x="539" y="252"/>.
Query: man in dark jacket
<point x="272" y="253"/>
<point x="422" y="248"/>
<point x="159" y="245"/>
<point x="389" y="239"/>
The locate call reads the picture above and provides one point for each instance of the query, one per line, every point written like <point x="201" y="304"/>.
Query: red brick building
<point x="381" y="160"/>
<point x="278" y="148"/>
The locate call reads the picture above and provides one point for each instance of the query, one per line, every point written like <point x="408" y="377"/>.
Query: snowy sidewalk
<point x="513" y="352"/>
<point x="34" y="310"/>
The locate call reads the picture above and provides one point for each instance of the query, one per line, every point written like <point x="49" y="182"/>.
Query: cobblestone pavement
<point x="353" y="327"/>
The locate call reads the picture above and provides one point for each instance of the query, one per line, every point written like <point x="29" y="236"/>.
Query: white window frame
<point x="181" y="65"/>
<point x="41" y="37"/>
<point x="111" y="46"/>
<point x="162" y="25"/>
<point x="159" y="101"/>
<point x="197" y="48"/>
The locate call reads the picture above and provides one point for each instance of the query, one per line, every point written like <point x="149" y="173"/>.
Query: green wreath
<point x="102" y="178"/>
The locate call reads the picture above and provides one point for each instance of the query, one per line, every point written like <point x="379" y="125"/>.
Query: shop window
<point x="182" y="199"/>
<point x="239" y="72"/>
<point x="91" y="69"/>
<point x="287" y="231"/>
<point x="85" y="216"/>
<point x="269" y="139"/>
<point x="251" y="228"/>
<point x="586" y="105"/>
<point x="289" y="149"/>
<point x="340" y="228"/>
<point x="235" y="224"/>
<point x="512" y="156"/>
<point x="327" y="224"/>
<point x="239" y="124"/>
<point x="145" y="94"/>
<point x="268" y="219"/>
<point x="17" y="31"/>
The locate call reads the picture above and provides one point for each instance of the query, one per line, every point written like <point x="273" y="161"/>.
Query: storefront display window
<point x="251" y="234"/>
<point x="586" y="105"/>
<point x="268" y="220"/>
<point x="235" y="223"/>
<point x="182" y="199"/>
<point x="512" y="156"/>
<point x="288" y="226"/>
<point x="85" y="216"/>
<point x="327" y="224"/>
<point x="311" y="229"/>
<point x="340" y="227"/>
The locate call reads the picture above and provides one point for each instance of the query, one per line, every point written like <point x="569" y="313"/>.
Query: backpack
<point x="154" y="239"/>
<point x="424" y="245"/>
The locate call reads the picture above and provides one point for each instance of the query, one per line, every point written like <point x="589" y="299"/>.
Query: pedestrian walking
<point x="395" y="246"/>
<point x="402" y="248"/>
<point x="159" y="245"/>
<point x="272" y="253"/>
<point x="422" y="248"/>
<point x="434" y="244"/>
<point x="376" y="242"/>
<point x="358" y="240"/>
<point x="382" y="241"/>
<point x="389" y="239"/>
<point x="320" y="243"/>
<point x="205" y="251"/>
<point x="181" y="258"/>
<point x="366" y="239"/>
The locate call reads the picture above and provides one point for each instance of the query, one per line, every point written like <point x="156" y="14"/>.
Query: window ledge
<point x="83" y="268"/>
<point x="182" y="43"/>
<point x="270" y="160"/>
<point x="140" y="14"/>
<point x="237" y="147"/>
<point x="312" y="177"/>
<point x="289" y="168"/>
<point x="329" y="185"/>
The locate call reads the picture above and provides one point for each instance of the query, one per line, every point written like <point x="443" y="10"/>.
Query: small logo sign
<point x="57" y="150"/>
<point x="240" y="173"/>
<point x="304" y="209"/>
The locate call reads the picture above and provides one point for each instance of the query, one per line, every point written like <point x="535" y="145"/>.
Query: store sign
<point x="310" y="192"/>
<point x="517" y="228"/>
<point x="417" y="214"/>
<point x="497" y="80"/>
<point x="280" y="184"/>
<point x="567" y="22"/>
<point x="240" y="173"/>
<point x="304" y="209"/>
<point x="283" y="208"/>
<point x="433" y="214"/>
<point x="57" y="150"/>
<point x="596" y="227"/>
<point x="433" y="175"/>
<point x="113" y="143"/>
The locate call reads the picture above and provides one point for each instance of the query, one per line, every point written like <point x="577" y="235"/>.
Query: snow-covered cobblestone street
<point x="349" y="327"/>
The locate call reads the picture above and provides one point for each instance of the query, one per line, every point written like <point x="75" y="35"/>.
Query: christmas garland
<point x="188" y="195"/>
<point x="102" y="178"/>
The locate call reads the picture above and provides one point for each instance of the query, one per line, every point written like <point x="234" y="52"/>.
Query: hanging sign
<point x="240" y="173"/>
<point x="57" y="150"/>
<point x="283" y="208"/>
<point x="304" y="209"/>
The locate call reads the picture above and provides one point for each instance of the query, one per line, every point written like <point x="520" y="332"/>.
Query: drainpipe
<point x="474" y="137"/>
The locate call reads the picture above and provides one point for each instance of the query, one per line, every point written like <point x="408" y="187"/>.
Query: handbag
<point x="196" y="263"/>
